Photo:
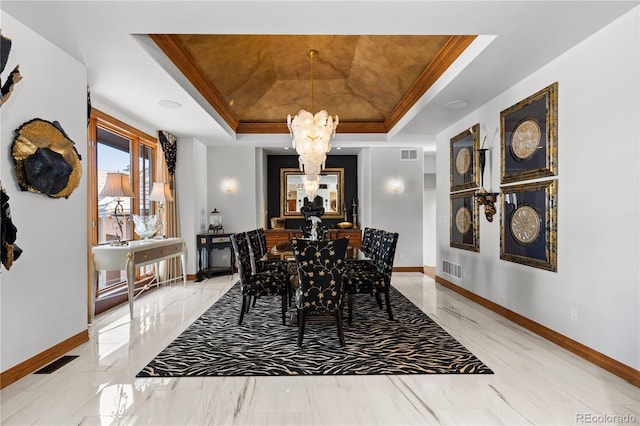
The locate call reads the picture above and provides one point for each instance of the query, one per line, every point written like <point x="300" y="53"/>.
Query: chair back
<point x="320" y="266"/>
<point x="263" y="240"/>
<point x="243" y="255"/>
<point x="386" y="254"/>
<point x="365" y="245"/>
<point x="375" y="244"/>
<point x="254" y="243"/>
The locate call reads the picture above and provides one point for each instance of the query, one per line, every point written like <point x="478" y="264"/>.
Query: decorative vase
<point x="145" y="227"/>
<point x="482" y="158"/>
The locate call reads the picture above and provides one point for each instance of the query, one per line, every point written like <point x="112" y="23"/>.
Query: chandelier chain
<point x="312" y="53"/>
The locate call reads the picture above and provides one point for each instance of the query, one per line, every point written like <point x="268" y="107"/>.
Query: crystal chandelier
<point x="310" y="186"/>
<point x="311" y="135"/>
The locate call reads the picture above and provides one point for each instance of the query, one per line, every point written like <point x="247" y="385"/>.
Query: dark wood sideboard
<point x="275" y="236"/>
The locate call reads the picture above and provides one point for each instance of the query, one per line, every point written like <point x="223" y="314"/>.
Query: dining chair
<point x="367" y="241"/>
<point x="320" y="266"/>
<point x="374" y="278"/>
<point x="257" y="285"/>
<point x="262" y="237"/>
<point x="257" y="251"/>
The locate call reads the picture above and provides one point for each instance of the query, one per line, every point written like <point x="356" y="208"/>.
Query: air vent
<point x="452" y="269"/>
<point x="409" y="154"/>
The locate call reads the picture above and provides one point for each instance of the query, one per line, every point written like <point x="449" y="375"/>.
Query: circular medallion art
<point x="463" y="220"/>
<point x="463" y="161"/>
<point x="525" y="140"/>
<point x="525" y="225"/>
<point x="46" y="160"/>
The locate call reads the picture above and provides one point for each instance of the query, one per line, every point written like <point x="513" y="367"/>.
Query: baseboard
<point x="43" y="358"/>
<point x="191" y="277"/>
<point x="613" y="366"/>
<point x="407" y="269"/>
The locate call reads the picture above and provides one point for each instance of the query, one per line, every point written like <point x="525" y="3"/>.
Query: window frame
<point x="117" y="293"/>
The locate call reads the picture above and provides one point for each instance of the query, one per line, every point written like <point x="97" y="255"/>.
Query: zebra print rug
<point x="215" y="345"/>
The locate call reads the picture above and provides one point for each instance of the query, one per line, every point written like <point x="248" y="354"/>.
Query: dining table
<point x="283" y="252"/>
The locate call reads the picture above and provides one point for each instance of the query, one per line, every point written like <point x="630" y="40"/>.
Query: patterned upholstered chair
<point x="367" y="241"/>
<point x="258" y="250"/>
<point x="320" y="265"/>
<point x="263" y="240"/>
<point x="373" y="280"/>
<point x="261" y="284"/>
<point x="255" y="250"/>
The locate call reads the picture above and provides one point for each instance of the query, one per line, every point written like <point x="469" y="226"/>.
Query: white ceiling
<point x="128" y="73"/>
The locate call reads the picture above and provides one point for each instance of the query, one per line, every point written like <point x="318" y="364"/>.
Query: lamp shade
<point x="117" y="185"/>
<point x="160" y="191"/>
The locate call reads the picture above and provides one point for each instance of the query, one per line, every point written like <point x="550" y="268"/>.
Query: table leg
<point x="92" y="289"/>
<point x="131" y="280"/>
<point x="183" y="257"/>
<point x="158" y="274"/>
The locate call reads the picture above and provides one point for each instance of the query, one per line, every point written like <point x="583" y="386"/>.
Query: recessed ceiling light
<point x="286" y="147"/>
<point x="165" y="103"/>
<point x="338" y="147"/>
<point x="456" y="104"/>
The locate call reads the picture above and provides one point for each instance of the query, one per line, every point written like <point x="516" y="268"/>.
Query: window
<point x="117" y="147"/>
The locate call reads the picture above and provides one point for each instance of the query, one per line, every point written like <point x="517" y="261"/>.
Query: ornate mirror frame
<point x="292" y="194"/>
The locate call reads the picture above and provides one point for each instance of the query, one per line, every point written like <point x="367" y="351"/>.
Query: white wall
<point x="598" y="199"/>
<point x="43" y="296"/>
<point x="238" y="208"/>
<point x="401" y="213"/>
<point x="429" y="213"/>
<point x="192" y="184"/>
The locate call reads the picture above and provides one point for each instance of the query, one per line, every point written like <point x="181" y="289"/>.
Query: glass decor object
<point x="146" y="226"/>
<point x="215" y="222"/>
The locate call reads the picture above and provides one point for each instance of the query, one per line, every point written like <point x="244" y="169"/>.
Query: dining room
<point x="564" y="324"/>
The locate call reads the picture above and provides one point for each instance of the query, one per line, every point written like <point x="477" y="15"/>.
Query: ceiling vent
<point x="409" y="154"/>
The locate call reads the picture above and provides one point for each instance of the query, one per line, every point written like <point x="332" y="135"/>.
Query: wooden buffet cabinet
<point x="275" y="236"/>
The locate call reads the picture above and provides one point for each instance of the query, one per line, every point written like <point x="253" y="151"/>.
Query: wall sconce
<point x="488" y="200"/>
<point x="485" y="198"/>
<point x="229" y="185"/>
<point x="395" y="186"/>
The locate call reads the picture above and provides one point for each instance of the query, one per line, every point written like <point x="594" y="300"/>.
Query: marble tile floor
<point x="535" y="381"/>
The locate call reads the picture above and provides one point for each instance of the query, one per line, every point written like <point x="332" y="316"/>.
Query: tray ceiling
<point x="255" y="81"/>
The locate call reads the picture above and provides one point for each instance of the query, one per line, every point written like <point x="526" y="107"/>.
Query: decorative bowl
<point x="345" y="225"/>
<point x="145" y="226"/>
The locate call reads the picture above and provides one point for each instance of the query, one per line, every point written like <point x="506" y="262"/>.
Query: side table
<point x="205" y="244"/>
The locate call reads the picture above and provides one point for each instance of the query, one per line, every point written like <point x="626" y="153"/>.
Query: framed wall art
<point x="464" y="160"/>
<point x="528" y="226"/>
<point x="529" y="137"/>
<point x="464" y="221"/>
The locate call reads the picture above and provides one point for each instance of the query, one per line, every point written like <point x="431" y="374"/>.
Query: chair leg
<point x="379" y="300"/>
<point x="244" y="301"/>
<point x="255" y="299"/>
<point x="388" y="303"/>
<point x="284" y="308"/>
<point x="350" y="306"/>
<point x="301" y="321"/>
<point x="339" y="325"/>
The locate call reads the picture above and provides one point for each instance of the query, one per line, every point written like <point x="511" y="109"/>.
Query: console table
<point x="205" y="243"/>
<point x="134" y="254"/>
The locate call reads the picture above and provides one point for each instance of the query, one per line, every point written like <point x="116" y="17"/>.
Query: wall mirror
<point x="293" y="195"/>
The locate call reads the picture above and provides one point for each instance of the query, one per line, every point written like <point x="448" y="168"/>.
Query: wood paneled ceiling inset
<point x="255" y="81"/>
